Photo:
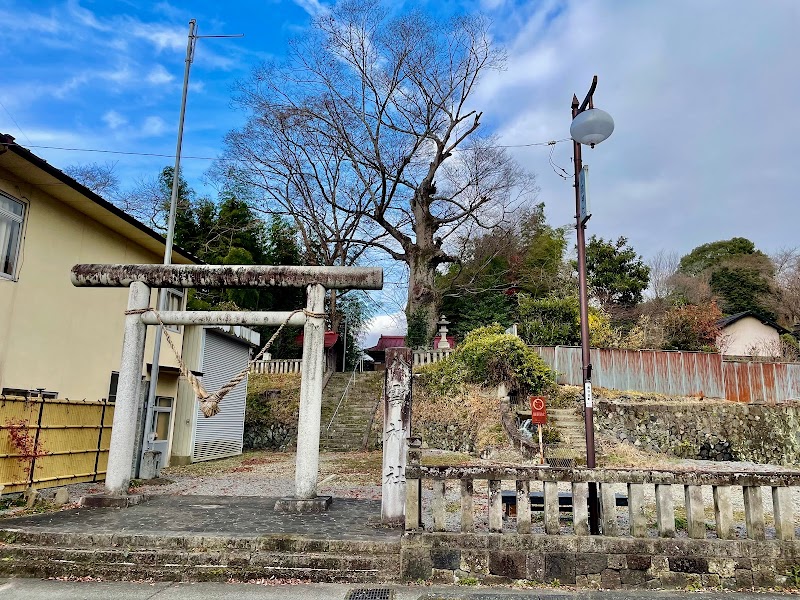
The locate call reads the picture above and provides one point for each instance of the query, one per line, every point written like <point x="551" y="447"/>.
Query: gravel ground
<point x="357" y="475"/>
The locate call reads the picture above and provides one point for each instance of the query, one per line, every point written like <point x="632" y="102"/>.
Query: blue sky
<point x="702" y="94"/>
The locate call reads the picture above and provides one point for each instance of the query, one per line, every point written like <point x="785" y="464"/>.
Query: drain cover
<point x="370" y="594"/>
<point x="207" y="506"/>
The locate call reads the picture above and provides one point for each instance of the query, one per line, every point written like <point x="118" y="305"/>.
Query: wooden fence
<point x="52" y="442"/>
<point x="678" y="373"/>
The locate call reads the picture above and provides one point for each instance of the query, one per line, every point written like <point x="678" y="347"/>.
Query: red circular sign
<point x="537" y="403"/>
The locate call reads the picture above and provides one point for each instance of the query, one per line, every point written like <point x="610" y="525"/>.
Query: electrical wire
<point x="158" y="155"/>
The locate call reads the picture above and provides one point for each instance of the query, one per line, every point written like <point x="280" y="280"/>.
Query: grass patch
<point x="446" y="459"/>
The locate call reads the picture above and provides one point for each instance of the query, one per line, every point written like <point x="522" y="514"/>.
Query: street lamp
<point x="590" y="126"/>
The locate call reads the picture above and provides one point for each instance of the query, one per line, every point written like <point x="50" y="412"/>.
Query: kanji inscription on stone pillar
<point x="396" y="429"/>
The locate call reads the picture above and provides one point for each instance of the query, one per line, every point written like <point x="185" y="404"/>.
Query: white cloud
<point x="153" y="126"/>
<point x="163" y="37"/>
<point x="113" y="119"/>
<point x="312" y="7"/>
<point x="86" y="17"/>
<point x="696" y="100"/>
<point x="159" y="75"/>
<point x="393" y="324"/>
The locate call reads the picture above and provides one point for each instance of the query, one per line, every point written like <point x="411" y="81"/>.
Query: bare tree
<point x="663" y="265"/>
<point x="100" y="178"/>
<point x="390" y="98"/>
<point x="787" y="279"/>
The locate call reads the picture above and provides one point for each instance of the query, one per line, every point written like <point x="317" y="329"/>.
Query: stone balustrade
<point x="428" y="357"/>
<point x="722" y="484"/>
<point x="458" y="527"/>
<point x="286" y="365"/>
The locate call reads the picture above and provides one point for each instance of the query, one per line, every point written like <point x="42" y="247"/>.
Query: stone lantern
<point x="443" y="344"/>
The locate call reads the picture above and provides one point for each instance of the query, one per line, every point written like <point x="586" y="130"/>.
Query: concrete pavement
<point x="36" y="589"/>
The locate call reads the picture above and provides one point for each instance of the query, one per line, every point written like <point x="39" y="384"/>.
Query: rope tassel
<point x="209" y="403"/>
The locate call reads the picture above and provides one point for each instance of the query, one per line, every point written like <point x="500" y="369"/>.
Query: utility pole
<point x="173" y="205"/>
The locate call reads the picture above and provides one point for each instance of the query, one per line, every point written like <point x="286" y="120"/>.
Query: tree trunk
<point x="422" y="293"/>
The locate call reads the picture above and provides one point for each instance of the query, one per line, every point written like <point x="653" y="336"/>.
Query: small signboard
<point x="538" y="410"/>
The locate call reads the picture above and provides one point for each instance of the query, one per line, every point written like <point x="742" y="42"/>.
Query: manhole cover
<point x="207" y="506"/>
<point x="370" y="594"/>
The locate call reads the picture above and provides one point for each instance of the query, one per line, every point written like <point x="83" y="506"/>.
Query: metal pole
<point x="344" y="351"/>
<point x="312" y="371"/>
<point x="586" y="365"/>
<point x="173" y="204"/>
<point x="126" y="410"/>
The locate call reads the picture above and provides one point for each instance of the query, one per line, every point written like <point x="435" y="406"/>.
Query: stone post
<point x="695" y="512"/>
<point x="608" y="510"/>
<point x="414" y="487"/>
<point x="523" y="506"/>
<point x="754" y="512"/>
<point x="495" y="506"/>
<point x="551" y="508"/>
<point x="783" y="511"/>
<point x="723" y="511"/>
<point x="312" y="372"/>
<point x="467" y="507"/>
<point x="396" y="430"/>
<point x="580" y="508"/>
<point x="637" y="518"/>
<point x="123" y="433"/>
<point x="665" y="510"/>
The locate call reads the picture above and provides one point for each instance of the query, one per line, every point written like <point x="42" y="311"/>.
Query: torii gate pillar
<point x="312" y="373"/>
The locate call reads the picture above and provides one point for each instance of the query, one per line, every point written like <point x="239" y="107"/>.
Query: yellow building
<point x="55" y="337"/>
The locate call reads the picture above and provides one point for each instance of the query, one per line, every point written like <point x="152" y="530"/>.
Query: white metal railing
<point x="428" y="357"/>
<point x="286" y="365"/>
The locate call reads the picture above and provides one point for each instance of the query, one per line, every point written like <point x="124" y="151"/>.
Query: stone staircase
<point x="573" y="434"/>
<point x="195" y="558"/>
<point x="346" y="432"/>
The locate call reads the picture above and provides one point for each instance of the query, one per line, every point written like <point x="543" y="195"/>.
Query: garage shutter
<point x="221" y="435"/>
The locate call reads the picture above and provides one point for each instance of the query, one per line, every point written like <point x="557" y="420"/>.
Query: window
<point x="174" y="301"/>
<point x="21" y="393"/>
<point x="112" y="386"/>
<point x="12" y="214"/>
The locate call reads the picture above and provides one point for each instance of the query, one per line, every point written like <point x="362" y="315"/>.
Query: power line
<point x="159" y="155"/>
<point x="15" y="122"/>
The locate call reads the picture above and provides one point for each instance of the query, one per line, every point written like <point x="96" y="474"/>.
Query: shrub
<point x="488" y="357"/>
<point x="272" y="398"/>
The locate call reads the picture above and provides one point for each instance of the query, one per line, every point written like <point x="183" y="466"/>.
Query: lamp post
<point x="589" y="126"/>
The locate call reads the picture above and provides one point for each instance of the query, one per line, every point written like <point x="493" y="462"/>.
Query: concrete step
<point x="197" y="558"/>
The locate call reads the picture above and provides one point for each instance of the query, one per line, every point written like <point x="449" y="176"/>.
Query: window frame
<point x="181" y="295"/>
<point x="21" y="219"/>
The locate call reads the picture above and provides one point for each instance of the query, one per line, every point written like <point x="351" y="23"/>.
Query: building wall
<point x="749" y="337"/>
<point x="52" y="334"/>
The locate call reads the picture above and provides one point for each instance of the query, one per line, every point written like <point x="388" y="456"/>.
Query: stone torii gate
<point x="141" y="278"/>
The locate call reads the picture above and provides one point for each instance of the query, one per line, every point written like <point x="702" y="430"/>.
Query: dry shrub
<point x="273" y="398"/>
<point x="473" y="409"/>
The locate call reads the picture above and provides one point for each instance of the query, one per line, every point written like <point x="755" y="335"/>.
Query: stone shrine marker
<point x="396" y="429"/>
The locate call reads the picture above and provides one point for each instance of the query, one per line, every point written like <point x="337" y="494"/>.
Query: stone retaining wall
<point x="272" y="436"/>
<point x="592" y="562"/>
<point x="758" y="433"/>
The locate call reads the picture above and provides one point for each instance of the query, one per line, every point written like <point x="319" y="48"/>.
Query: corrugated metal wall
<point x="678" y="373"/>
<point x="221" y="435"/>
<point x="72" y="436"/>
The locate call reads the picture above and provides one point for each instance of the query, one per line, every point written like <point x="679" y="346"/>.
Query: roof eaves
<point x="7" y="141"/>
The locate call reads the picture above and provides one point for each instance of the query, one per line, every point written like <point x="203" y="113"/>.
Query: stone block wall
<point x="599" y="562"/>
<point x="751" y="432"/>
<point x="272" y="436"/>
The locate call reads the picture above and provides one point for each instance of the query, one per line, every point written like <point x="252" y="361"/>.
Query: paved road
<point x="35" y="589"/>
